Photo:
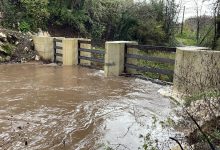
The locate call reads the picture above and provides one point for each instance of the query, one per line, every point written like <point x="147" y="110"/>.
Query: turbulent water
<point x="52" y="107"/>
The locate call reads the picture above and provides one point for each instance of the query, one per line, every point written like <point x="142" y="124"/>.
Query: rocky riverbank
<point x="16" y="47"/>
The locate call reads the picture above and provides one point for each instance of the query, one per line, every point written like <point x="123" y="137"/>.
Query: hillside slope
<point x="15" y="46"/>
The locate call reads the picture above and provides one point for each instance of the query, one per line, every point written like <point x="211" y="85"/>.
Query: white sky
<point x="207" y="7"/>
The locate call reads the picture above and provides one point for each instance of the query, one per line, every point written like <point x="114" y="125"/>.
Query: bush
<point x="25" y="15"/>
<point x="100" y="19"/>
<point x="24" y="26"/>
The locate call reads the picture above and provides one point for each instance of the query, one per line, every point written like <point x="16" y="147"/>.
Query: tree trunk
<point x="198" y="30"/>
<point x="217" y="26"/>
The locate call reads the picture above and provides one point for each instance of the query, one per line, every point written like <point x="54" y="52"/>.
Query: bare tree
<point x="183" y="20"/>
<point x="217" y="22"/>
<point x="198" y="18"/>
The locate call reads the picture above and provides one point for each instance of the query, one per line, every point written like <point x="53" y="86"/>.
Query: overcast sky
<point x="207" y="7"/>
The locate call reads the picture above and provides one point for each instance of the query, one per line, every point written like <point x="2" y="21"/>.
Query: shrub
<point x="24" y="26"/>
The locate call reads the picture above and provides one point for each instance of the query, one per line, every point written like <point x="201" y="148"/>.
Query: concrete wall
<point x="196" y="70"/>
<point x="114" y="57"/>
<point x="44" y="47"/>
<point x="70" y="51"/>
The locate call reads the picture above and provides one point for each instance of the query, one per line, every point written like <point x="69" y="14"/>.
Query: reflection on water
<point x="51" y="107"/>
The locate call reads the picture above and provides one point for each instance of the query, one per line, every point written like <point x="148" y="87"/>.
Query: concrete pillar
<point x="114" y="57"/>
<point x="70" y="52"/>
<point x="196" y="70"/>
<point x="44" y="47"/>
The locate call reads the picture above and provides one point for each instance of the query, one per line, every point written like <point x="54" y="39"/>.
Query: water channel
<point x="54" y="107"/>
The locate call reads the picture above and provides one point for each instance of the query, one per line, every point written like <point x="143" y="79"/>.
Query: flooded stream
<point x="52" y="107"/>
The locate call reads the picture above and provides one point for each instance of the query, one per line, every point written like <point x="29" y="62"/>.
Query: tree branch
<point x="200" y="129"/>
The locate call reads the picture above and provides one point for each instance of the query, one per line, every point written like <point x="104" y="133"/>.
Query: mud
<point x="52" y="107"/>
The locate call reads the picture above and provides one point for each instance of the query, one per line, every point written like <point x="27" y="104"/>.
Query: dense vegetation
<point x="153" y="22"/>
<point x="206" y="33"/>
<point x="101" y="20"/>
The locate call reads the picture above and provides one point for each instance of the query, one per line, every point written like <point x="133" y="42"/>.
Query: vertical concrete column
<point x="86" y="54"/>
<point x="114" y="57"/>
<point x="70" y="51"/>
<point x="48" y="51"/>
<point x="44" y="47"/>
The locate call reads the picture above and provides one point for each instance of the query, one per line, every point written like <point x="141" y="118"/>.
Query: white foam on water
<point x="166" y="91"/>
<point x="99" y="73"/>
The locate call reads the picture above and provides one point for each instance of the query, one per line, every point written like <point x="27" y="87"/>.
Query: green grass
<point x="186" y="39"/>
<point x="8" y="48"/>
<point x="98" y="56"/>
<point x="159" y="65"/>
<point x="201" y="96"/>
<point x="151" y="64"/>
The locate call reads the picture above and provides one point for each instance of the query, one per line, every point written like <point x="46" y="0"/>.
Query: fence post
<point x="114" y="57"/>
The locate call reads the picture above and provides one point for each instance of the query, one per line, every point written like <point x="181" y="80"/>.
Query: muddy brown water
<point x="52" y="107"/>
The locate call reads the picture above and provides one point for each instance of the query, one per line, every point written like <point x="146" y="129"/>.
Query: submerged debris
<point x="26" y="143"/>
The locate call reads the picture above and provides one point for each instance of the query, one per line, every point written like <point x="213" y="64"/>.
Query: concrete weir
<point x="45" y="47"/>
<point x="114" y="56"/>
<point x="197" y="69"/>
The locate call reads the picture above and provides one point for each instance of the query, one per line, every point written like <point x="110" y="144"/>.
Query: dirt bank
<point x="16" y="47"/>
